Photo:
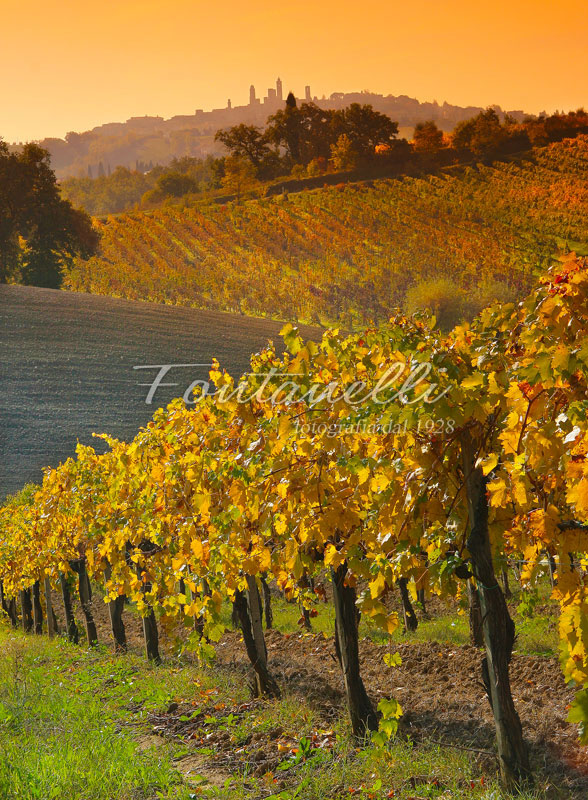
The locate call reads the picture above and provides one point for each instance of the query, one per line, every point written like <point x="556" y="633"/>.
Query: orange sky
<point x="72" y="64"/>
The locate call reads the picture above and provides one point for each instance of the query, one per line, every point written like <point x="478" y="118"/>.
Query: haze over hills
<point x="155" y="140"/>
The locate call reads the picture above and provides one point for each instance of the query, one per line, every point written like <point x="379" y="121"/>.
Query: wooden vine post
<point x="475" y="615"/>
<point x="267" y="603"/>
<point x="27" y="610"/>
<point x="411" y="622"/>
<point x="51" y="626"/>
<point x="85" y="594"/>
<point x="70" y="623"/>
<point x="248" y="611"/>
<point x="115" y="612"/>
<point x="150" y="632"/>
<point x="37" y="609"/>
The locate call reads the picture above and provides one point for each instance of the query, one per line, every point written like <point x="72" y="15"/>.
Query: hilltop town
<point x="155" y="140"/>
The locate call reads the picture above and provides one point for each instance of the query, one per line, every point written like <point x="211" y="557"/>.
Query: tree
<point x="174" y="184"/>
<point x="239" y="176"/>
<point x="245" y="141"/>
<point x="482" y="135"/>
<point x="427" y="137"/>
<point x="318" y="132"/>
<point x="39" y="231"/>
<point x="285" y="127"/>
<point x="309" y="132"/>
<point x="366" y="129"/>
<point x="342" y="154"/>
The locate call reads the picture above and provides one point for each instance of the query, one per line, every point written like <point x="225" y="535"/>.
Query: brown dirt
<point x="133" y="623"/>
<point x="440" y="690"/>
<point x="438" y="686"/>
<point x="68" y="363"/>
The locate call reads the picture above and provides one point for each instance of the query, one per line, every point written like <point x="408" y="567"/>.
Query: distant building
<point x="229" y="106"/>
<point x="307" y="95"/>
<point x="279" y="94"/>
<point x="252" y="98"/>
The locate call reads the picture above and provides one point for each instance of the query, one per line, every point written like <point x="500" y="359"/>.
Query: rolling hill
<point x="349" y="253"/>
<point x="68" y="368"/>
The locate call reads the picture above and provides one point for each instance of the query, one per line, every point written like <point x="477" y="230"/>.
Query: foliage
<point x="248" y="142"/>
<point x="107" y="195"/>
<point x="124" y="188"/>
<point x="239" y="176"/>
<point x="39" y="232"/>
<point x="309" y="132"/>
<point x="343" y="157"/>
<point x="427" y="137"/>
<point x="175" y="184"/>
<point x="366" y="129"/>
<point x="440" y="297"/>
<point x="451" y="304"/>
<point x="239" y="486"/>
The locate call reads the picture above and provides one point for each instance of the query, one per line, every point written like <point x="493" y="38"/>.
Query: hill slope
<point x="68" y="368"/>
<point x="351" y="252"/>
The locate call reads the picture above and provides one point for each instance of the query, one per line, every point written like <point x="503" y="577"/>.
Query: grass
<point x="74" y="724"/>
<point x="62" y="739"/>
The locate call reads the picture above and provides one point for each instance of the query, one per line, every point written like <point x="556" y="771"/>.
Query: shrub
<point x="441" y="296"/>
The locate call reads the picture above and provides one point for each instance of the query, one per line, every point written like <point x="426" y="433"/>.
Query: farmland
<point x="383" y="522"/>
<point x="334" y="597"/>
<point x="350" y="253"/>
<point x="67" y="368"/>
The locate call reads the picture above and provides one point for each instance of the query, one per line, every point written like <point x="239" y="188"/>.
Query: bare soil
<point x="68" y="363"/>
<point x="439" y="688"/>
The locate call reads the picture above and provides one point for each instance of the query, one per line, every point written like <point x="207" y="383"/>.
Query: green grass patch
<point x="75" y="724"/>
<point x="63" y="725"/>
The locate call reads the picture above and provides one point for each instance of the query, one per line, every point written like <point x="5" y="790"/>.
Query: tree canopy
<point x="307" y="133"/>
<point x="39" y="231"/>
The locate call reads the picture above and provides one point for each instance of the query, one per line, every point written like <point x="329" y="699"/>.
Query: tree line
<point x="306" y="141"/>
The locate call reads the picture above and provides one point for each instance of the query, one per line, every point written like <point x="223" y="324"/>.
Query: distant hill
<point x="68" y="368"/>
<point x="157" y="140"/>
<point x="351" y="253"/>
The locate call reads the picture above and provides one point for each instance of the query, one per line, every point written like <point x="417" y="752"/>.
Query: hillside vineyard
<point x="349" y="253"/>
<point x="205" y="502"/>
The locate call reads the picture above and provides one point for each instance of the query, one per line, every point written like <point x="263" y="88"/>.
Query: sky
<point x="72" y="64"/>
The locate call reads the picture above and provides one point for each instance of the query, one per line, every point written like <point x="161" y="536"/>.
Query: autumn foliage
<point x="349" y="254"/>
<point x="436" y="481"/>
